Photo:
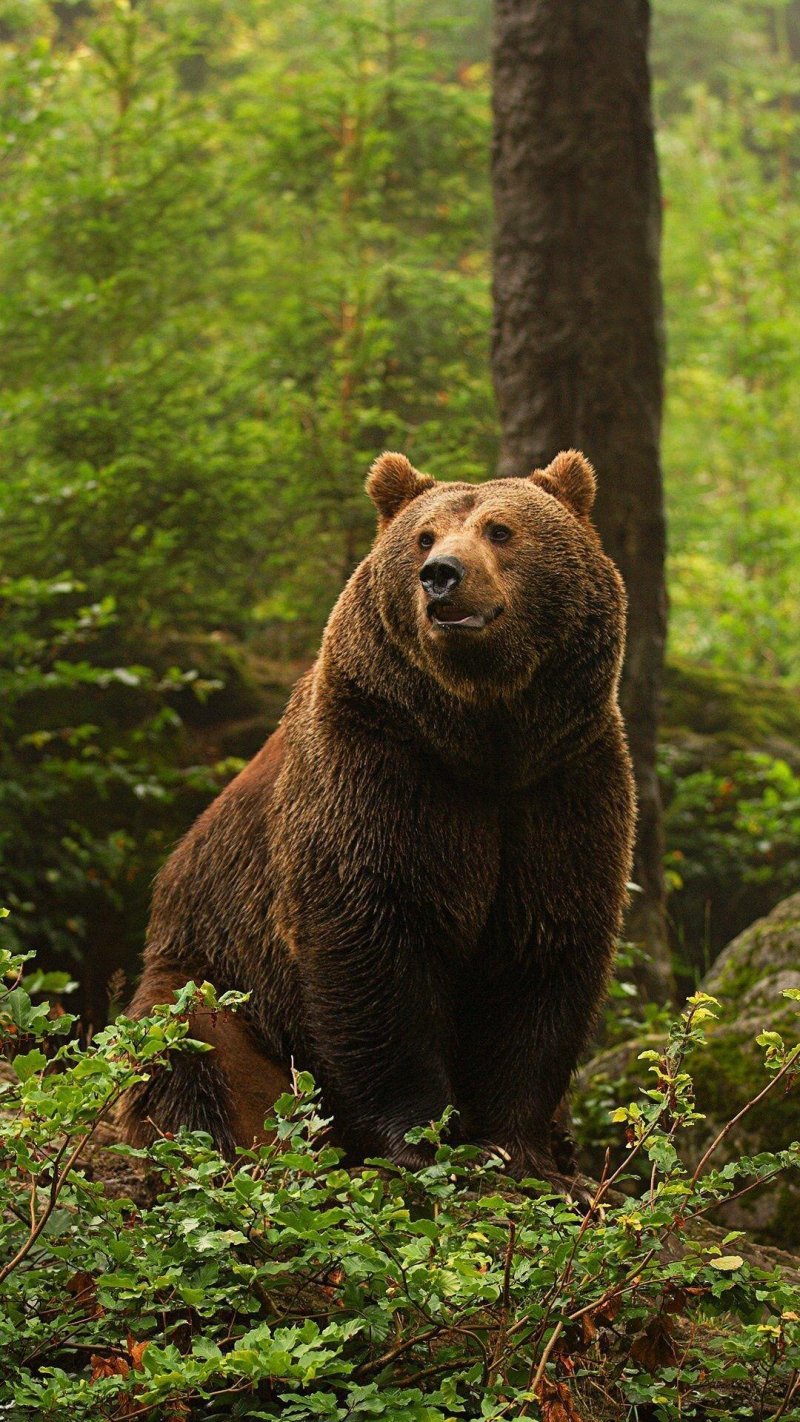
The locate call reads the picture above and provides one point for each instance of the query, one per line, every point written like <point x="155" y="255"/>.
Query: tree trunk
<point x="577" y="341"/>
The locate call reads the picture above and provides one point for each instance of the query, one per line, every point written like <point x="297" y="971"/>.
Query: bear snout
<point x="440" y="576"/>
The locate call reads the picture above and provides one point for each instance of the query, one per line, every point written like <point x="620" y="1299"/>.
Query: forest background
<point x="246" y="246"/>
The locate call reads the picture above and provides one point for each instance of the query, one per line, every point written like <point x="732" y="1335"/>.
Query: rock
<point x="729" y="767"/>
<point x="751" y="973"/>
<point x="737" y="711"/>
<point x="748" y="980"/>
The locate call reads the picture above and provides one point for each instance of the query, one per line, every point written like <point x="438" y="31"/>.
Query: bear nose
<point x="440" y="576"/>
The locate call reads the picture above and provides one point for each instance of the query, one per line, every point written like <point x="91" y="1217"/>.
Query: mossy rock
<point x="741" y="711"/>
<point x="721" y="726"/>
<point x="760" y="964"/>
<point x="748" y="980"/>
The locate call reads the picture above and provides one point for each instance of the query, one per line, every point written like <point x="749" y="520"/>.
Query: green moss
<point x="744" y="969"/>
<point x="736" y="977"/>
<point x="727" y="1073"/>
<point x="744" y="710"/>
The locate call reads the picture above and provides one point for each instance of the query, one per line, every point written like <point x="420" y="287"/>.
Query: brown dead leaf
<point x="589" y="1328"/>
<point x="176" y="1412"/>
<point x="83" y="1288"/>
<point x="136" y="1350"/>
<point x="608" y="1311"/>
<point x="555" y="1400"/>
<point x="108" y="1367"/>
<point x="656" y="1347"/>
<point x="675" y="1301"/>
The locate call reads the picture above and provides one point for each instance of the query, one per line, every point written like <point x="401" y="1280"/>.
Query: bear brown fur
<point x="420" y="877"/>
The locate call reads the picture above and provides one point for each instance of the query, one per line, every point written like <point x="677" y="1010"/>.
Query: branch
<point x="57" y="1184"/>
<point x="726" y="1129"/>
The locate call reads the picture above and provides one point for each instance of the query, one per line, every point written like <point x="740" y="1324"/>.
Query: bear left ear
<point x="392" y="483"/>
<point x="571" y="479"/>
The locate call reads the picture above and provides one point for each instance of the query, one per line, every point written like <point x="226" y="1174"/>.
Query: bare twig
<point x="794" y="1384"/>
<point x="374" y="1365"/>
<point x="505" y="1303"/>
<point x="737" y="1195"/>
<point x="791" y="1061"/>
<point x="545" y="1358"/>
<point x="59" y="1180"/>
<point x="512" y="1235"/>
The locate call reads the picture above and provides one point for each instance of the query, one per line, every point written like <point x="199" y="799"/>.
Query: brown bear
<point x="420" y="877"/>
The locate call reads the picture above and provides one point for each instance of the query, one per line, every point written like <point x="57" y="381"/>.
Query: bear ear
<point x="392" y="483"/>
<point x="571" y="479"/>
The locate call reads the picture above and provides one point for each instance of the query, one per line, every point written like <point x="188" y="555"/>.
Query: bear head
<point x="478" y="584"/>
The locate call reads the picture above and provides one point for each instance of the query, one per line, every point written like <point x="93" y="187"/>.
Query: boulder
<point x="729" y="764"/>
<point x="748" y="980"/>
<point x="733" y="710"/>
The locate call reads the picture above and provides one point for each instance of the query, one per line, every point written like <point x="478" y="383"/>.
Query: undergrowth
<point x="282" y="1285"/>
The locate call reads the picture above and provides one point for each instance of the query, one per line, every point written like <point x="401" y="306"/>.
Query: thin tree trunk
<point x="577" y="342"/>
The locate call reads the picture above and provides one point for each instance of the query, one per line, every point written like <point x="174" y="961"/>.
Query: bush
<point x="92" y="784"/>
<point x="280" y="1284"/>
<point x="244" y="250"/>
<point x="733" y="846"/>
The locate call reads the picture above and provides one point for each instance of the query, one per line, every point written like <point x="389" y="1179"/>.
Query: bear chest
<point x="476" y="882"/>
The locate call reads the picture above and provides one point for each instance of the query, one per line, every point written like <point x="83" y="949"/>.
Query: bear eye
<point x="426" y="540"/>
<point x="498" y="533"/>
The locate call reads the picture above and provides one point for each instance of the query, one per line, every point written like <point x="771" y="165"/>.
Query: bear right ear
<point x="392" y="483"/>
<point x="571" y="479"/>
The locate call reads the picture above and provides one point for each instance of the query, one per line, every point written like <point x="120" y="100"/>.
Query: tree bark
<point x="577" y="342"/>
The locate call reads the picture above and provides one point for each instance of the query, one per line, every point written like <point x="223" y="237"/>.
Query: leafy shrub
<point x="749" y="817"/>
<point x="91" y="779"/>
<point x="733" y="846"/>
<point x="245" y="248"/>
<point x="281" y="1285"/>
<point x="729" y="140"/>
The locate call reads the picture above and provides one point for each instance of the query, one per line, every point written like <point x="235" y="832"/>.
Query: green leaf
<point x="29" y="1063"/>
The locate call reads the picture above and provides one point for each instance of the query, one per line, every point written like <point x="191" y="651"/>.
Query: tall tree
<point x="577" y="343"/>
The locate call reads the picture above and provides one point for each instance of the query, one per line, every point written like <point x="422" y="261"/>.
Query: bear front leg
<point x="521" y="1035"/>
<point x="532" y="1001"/>
<point x="378" y="1027"/>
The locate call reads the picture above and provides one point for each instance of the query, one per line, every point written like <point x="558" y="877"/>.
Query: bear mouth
<point x="446" y="618"/>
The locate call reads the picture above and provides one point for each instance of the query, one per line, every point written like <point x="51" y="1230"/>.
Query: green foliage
<point x="733" y="843"/>
<point x="246" y="249"/>
<point x="745" y="824"/>
<point x="281" y="1285"/>
<point x="730" y="151"/>
<point x="89" y="772"/>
